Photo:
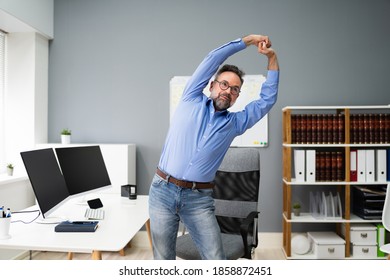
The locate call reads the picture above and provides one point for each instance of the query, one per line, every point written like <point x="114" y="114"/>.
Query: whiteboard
<point x="257" y="136"/>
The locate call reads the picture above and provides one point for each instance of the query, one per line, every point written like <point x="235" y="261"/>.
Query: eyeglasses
<point x="224" y="85"/>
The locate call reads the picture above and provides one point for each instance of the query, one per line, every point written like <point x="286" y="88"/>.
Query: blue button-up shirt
<point x="199" y="136"/>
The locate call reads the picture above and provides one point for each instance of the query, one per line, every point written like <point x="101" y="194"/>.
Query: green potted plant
<point x="65" y="136"/>
<point x="296" y="208"/>
<point x="10" y="169"/>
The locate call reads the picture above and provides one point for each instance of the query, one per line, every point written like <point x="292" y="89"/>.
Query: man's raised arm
<point x="263" y="45"/>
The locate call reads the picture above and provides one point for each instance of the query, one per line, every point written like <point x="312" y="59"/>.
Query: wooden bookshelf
<point x="340" y="131"/>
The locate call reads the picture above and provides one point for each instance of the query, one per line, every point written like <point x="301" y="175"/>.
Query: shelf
<point x="308" y="218"/>
<point x="333" y="183"/>
<point x="5" y="179"/>
<point x="334" y="145"/>
<point x="311" y="256"/>
<point x="336" y="107"/>
<point x="356" y="219"/>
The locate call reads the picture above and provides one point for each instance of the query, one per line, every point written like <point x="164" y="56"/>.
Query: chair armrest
<point x="244" y="230"/>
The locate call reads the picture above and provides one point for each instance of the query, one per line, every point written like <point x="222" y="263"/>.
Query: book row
<point x="370" y="165"/>
<point x="330" y="128"/>
<point x="317" y="128"/>
<point x="317" y="166"/>
<point x="370" y="128"/>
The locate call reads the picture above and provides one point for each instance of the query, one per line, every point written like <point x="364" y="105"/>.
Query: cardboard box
<point x="327" y="245"/>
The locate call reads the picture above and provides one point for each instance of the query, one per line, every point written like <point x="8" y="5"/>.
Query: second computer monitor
<point x="83" y="168"/>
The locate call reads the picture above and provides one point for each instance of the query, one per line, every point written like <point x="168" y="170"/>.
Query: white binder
<point x="310" y="165"/>
<point x="370" y="165"/>
<point x="361" y="166"/>
<point x="299" y="165"/>
<point x="381" y="165"/>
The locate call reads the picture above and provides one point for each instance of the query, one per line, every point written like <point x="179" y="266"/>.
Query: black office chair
<point x="236" y="195"/>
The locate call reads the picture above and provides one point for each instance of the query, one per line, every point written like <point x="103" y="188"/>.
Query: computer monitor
<point x="48" y="184"/>
<point x="84" y="169"/>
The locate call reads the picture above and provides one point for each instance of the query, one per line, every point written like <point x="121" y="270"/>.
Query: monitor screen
<point x="46" y="179"/>
<point x="83" y="168"/>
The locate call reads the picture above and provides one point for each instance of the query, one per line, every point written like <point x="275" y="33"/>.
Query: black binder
<point x="82" y="226"/>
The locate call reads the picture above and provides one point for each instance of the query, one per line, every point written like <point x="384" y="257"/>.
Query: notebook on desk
<point x="75" y="226"/>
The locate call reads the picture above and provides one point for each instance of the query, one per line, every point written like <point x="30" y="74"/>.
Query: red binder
<point x="353" y="166"/>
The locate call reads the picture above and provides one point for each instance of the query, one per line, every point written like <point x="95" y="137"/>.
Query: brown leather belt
<point x="184" y="184"/>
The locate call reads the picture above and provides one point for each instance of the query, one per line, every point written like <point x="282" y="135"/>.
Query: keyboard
<point x="94" y="214"/>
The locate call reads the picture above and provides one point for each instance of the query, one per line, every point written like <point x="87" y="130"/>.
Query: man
<point x="200" y="134"/>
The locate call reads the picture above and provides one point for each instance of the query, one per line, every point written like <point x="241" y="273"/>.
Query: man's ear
<point x="211" y="85"/>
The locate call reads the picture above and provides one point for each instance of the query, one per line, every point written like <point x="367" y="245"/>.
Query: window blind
<point x="2" y="104"/>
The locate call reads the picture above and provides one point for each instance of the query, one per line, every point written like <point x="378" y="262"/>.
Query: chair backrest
<point x="386" y="210"/>
<point x="236" y="189"/>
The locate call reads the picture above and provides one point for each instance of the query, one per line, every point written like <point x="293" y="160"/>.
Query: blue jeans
<point x="170" y="204"/>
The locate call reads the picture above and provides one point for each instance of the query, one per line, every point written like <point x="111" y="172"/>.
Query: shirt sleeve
<point x="208" y="67"/>
<point x="258" y="108"/>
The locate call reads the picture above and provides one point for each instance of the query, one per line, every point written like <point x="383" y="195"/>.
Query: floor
<point x="143" y="253"/>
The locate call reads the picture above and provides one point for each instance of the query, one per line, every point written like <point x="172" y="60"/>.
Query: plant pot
<point x="297" y="212"/>
<point x="10" y="171"/>
<point x="65" y="139"/>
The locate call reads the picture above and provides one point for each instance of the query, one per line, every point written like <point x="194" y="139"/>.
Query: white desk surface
<point x="123" y="219"/>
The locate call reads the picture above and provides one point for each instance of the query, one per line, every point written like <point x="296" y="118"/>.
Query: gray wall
<point x="111" y="62"/>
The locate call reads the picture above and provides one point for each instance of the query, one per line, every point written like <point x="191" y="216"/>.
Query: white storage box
<point x="362" y="233"/>
<point x="364" y="251"/>
<point x="327" y="245"/>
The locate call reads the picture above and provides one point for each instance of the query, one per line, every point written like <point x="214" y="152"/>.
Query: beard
<point x="220" y="103"/>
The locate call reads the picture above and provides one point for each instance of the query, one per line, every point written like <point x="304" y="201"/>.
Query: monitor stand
<point x="83" y="201"/>
<point x="51" y="220"/>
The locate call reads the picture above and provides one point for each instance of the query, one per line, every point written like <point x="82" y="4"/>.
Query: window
<point x="2" y="105"/>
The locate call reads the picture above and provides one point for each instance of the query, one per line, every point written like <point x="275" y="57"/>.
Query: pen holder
<point x="4" y="228"/>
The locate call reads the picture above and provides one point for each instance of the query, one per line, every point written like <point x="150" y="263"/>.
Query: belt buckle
<point x="193" y="186"/>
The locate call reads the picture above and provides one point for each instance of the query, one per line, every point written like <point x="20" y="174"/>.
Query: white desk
<point x="123" y="219"/>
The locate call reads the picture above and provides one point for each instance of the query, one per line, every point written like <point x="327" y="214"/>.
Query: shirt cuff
<point x="241" y="43"/>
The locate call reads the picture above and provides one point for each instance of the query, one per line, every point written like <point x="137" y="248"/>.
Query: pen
<point x="8" y="213"/>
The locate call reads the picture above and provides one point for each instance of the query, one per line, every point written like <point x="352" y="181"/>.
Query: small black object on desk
<point x="129" y="191"/>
